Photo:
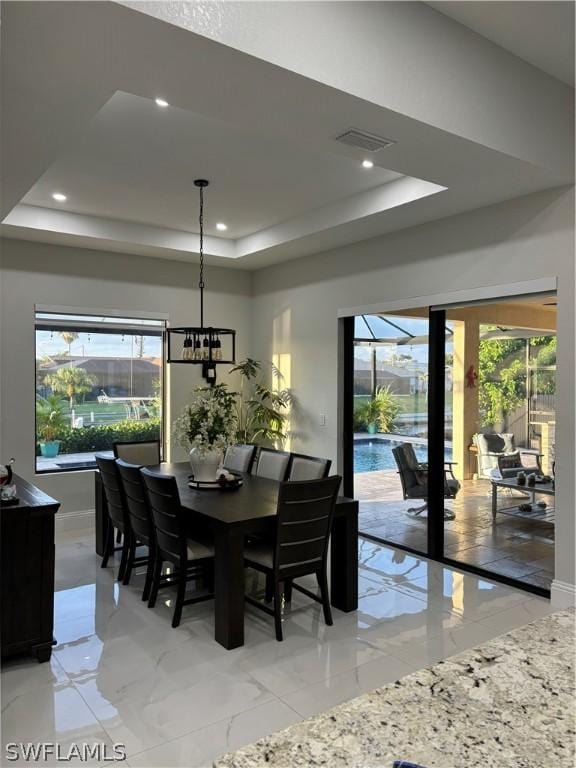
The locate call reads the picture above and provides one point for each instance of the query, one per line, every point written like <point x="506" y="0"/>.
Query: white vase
<point x="205" y="464"/>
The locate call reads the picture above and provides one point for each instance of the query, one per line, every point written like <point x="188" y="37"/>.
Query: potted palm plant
<point x="387" y="409"/>
<point x="50" y="421"/>
<point x="379" y="413"/>
<point x="261" y="410"/>
<point x="206" y="426"/>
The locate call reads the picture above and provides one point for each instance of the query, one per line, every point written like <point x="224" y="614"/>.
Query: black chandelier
<point x="205" y="346"/>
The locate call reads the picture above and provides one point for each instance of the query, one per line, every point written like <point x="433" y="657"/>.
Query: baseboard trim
<point x="72" y="521"/>
<point x="563" y="594"/>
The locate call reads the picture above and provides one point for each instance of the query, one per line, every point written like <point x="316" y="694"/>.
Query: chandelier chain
<point x="201" y="283"/>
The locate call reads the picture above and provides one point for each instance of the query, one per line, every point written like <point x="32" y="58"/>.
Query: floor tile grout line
<point x="210" y="725"/>
<point x="411" y="667"/>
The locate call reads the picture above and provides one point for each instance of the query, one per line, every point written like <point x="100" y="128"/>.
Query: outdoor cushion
<point x="509" y="444"/>
<point x="491" y="443"/>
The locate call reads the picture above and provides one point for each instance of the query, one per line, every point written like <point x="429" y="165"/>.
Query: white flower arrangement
<point x="208" y="422"/>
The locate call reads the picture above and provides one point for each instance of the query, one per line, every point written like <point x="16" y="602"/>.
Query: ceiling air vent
<point x="363" y="140"/>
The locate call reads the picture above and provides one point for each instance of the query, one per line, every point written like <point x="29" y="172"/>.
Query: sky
<point x="97" y="345"/>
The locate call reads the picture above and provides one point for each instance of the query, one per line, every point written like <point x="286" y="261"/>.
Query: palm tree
<point x="69" y="337"/>
<point x="70" y="382"/>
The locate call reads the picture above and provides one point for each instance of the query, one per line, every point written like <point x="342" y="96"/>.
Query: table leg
<point x="101" y="510"/>
<point x="494" y="501"/>
<point x="344" y="560"/>
<point x="229" y="587"/>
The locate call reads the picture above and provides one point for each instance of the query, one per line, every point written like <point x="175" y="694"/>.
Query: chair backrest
<point x="144" y="453"/>
<point x="169" y="525"/>
<point x="408" y="467"/>
<point x="490" y="446"/>
<point x="136" y="501"/>
<point x="305" y="512"/>
<point x="113" y="490"/>
<point x="272" y="464"/>
<point x="308" y="467"/>
<point x="239" y="458"/>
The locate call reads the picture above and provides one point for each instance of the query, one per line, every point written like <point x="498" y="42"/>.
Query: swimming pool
<point x="375" y="454"/>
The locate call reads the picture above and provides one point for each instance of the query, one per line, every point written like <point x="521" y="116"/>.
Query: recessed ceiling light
<point x="161" y="103"/>
<point x="59" y="197"/>
<point x="367" y="164"/>
<point x="221" y="226"/>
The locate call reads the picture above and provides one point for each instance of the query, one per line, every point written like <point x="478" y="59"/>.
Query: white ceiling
<point x="137" y="162"/>
<point x="541" y="33"/>
<point x="263" y="135"/>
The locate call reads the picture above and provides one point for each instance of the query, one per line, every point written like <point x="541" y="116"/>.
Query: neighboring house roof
<point x="390" y="370"/>
<point x="97" y="365"/>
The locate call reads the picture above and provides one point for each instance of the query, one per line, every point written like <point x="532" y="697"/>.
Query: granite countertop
<point x="508" y="703"/>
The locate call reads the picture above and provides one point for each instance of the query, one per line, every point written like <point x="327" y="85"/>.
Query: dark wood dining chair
<point x="193" y="560"/>
<point x="141" y="523"/>
<point x="239" y="458"/>
<point x="272" y="464"/>
<point x="304" y="467"/>
<point x="144" y="453"/>
<point x="118" y="517"/>
<point x="303" y="525"/>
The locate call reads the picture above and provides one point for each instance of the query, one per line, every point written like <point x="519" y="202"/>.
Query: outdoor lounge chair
<point x="494" y="446"/>
<point x="414" y="479"/>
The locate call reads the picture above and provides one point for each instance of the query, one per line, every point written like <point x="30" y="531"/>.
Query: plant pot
<point x="50" y="449"/>
<point x="372" y="429"/>
<point x="205" y="464"/>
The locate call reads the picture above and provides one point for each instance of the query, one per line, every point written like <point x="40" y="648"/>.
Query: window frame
<point x="158" y="323"/>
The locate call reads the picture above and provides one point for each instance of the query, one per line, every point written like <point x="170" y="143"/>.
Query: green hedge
<point x="101" y="437"/>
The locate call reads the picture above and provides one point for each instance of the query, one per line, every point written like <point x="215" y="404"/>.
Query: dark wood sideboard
<point x="27" y="589"/>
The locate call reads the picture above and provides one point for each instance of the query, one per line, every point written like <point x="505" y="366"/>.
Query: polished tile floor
<point x="173" y="697"/>
<point x="512" y="546"/>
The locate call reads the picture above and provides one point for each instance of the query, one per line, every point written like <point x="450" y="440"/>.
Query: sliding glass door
<point x="503" y="404"/>
<point x="444" y="408"/>
<point x="390" y="424"/>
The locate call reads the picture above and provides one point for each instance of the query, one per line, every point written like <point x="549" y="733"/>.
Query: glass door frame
<point x="436" y="437"/>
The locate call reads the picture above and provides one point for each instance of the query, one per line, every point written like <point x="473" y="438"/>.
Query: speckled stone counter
<point x="506" y="704"/>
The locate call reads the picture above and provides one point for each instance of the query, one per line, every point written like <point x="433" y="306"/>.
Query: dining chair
<point x="239" y="458"/>
<point x="272" y="464"/>
<point x="303" y="523"/>
<point x="118" y="516"/>
<point x="141" y="523"/>
<point x="193" y="560"/>
<point x="304" y="467"/>
<point x="144" y="453"/>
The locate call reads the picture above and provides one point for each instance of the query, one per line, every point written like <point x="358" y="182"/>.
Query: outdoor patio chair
<point x="493" y="446"/>
<point x="414" y="479"/>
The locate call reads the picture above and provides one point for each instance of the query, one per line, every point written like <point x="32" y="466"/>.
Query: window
<point x="99" y="380"/>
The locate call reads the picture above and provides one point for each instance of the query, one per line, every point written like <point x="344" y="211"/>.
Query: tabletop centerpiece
<point x="206" y="427"/>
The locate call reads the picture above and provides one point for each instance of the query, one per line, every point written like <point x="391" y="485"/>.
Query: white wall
<point x="36" y="273"/>
<point x="292" y="309"/>
<point x="296" y="304"/>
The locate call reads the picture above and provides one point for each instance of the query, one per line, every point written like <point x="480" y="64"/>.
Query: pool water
<point x="376" y="454"/>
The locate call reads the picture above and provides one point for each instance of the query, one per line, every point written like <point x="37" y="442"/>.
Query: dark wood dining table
<point x="231" y="515"/>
